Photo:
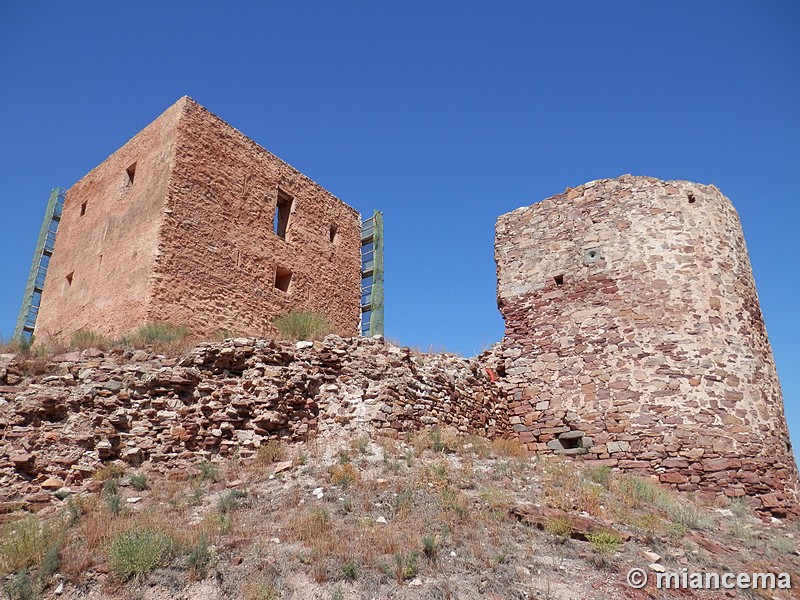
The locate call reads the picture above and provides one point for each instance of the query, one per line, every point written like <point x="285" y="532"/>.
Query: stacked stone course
<point x="634" y="337"/>
<point x="221" y="399"/>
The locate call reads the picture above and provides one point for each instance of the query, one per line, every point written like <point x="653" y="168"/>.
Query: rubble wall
<point x="218" y="250"/>
<point x="222" y="399"/>
<point x="634" y="337"/>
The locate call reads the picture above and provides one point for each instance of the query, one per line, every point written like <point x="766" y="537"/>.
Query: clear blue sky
<point x="442" y="114"/>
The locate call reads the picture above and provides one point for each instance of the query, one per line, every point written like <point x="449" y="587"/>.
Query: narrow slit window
<point x="282" y="212"/>
<point x="332" y="232"/>
<point x="559" y="279"/>
<point x="130" y="174"/>
<point x="83" y="208"/>
<point x="283" y="278"/>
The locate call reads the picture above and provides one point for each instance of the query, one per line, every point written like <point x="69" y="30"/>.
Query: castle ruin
<point x="634" y="337"/>
<point x="193" y="223"/>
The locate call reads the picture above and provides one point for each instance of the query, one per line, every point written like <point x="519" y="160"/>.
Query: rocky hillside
<point x="345" y="468"/>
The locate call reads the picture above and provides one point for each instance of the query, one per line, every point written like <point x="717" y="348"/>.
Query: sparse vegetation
<point x="208" y="471"/>
<point x="343" y="475"/>
<point x="271" y="452"/>
<point x="405" y="565"/>
<point x="604" y="542"/>
<point x="85" y="338"/>
<point x="135" y="552"/>
<point x="22" y="545"/>
<point x="139" y="481"/>
<point x="441" y="517"/>
<point x="156" y="332"/>
<point x="302" y="326"/>
<point x="560" y="528"/>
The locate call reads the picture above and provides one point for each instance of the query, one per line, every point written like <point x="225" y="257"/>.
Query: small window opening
<point x="283" y="278"/>
<point x="691" y="198"/>
<point x="131" y="173"/>
<point x="559" y="279"/>
<point x="69" y="277"/>
<point x="570" y="443"/>
<point x="282" y="212"/>
<point x="332" y="232"/>
<point x="83" y="208"/>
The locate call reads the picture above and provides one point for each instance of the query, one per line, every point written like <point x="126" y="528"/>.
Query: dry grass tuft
<point x="22" y="544"/>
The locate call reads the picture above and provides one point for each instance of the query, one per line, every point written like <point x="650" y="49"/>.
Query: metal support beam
<point x="31" y="300"/>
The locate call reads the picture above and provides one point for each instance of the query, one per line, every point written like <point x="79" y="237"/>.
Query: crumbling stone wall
<point x="220" y="399"/>
<point x="634" y="337"/>
<point x="178" y="226"/>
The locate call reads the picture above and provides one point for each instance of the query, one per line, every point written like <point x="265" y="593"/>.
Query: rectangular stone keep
<point x="192" y="223"/>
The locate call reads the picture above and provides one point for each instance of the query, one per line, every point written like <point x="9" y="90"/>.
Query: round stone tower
<point x="634" y="337"/>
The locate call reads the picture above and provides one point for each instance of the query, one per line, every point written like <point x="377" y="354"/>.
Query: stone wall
<point x="105" y="251"/>
<point x="178" y="226"/>
<point x="218" y="251"/>
<point x="221" y="399"/>
<point x="634" y="337"/>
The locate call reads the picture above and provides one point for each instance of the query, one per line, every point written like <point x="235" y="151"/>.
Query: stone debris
<point x="581" y="527"/>
<point x="222" y="399"/>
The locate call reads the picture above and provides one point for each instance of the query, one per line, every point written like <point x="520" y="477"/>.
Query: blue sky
<point x="442" y="114"/>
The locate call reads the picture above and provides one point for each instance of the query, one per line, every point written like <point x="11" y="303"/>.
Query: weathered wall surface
<point x="223" y="398"/>
<point x="191" y="240"/>
<point x="108" y="238"/>
<point x="634" y="335"/>
<point x="218" y="249"/>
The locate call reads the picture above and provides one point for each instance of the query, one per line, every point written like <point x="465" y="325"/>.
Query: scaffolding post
<point x="31" y="301"/>
<point x="372" y="275"/>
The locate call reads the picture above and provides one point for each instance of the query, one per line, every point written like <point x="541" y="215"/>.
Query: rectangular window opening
<point x="83" y="208"/>
<point x="130" y="172"/>
<point x="332" y="232"/>
<point x="559" y="279"/>
<point x="282" y="212"/>
<point x="283" y="278"/>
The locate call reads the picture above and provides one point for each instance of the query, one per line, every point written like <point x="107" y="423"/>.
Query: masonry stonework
<point x="178" y="226"/>
<point x="634" y="337"/>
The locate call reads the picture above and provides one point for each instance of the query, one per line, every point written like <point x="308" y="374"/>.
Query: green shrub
<point x="559" y="527"/>
<point x="430" y="546"/>
<point x="50" y="561"/>
<point x="690" y="516"/>
<point x="139" y="481"/>
<point x="22" y="545"/>
<point x="604" y="542"/>
<point x="199" y="557"/>
<point x="782" y="545"/>
<point x="405" y="566"/>
<point x="229" y="501"/>
<point x="350" y="570"/>
<point x="138" y="551"/>
<point x="20" y="587"/>
<point x="302" y="326"/>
